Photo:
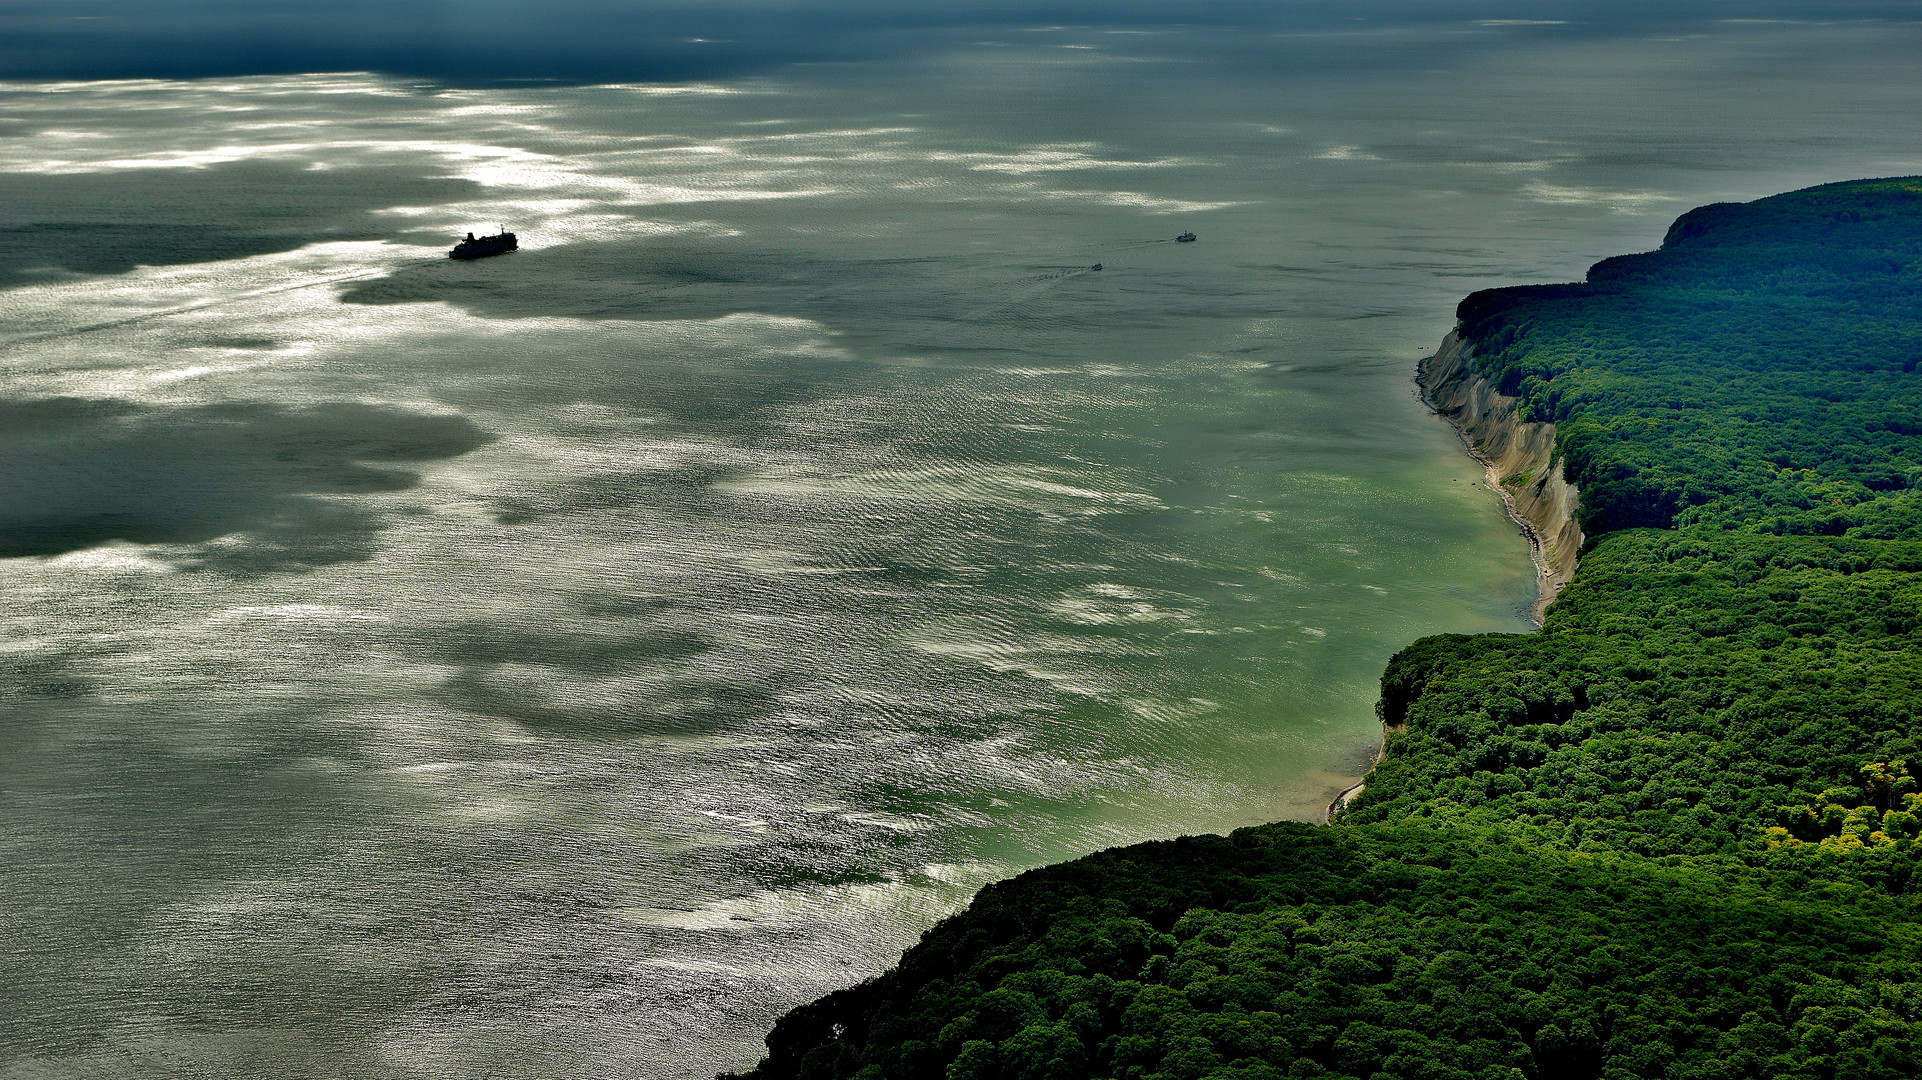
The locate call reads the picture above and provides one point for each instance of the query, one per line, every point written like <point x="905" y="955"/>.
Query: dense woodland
<point x="1675" y="833"/>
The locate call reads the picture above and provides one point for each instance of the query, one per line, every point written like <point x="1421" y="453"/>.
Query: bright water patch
<point x="558" y="665"/>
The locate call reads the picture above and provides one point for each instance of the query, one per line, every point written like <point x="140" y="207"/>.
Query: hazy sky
<point x="593" y="40"/>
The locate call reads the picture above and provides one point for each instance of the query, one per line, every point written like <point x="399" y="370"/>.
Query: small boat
<point x="1185" y="238"/>
<point x="1096" y="266"/>
<point x="480" y="247"/>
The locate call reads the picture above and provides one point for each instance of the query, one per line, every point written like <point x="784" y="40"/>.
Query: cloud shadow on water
<point x="79" y="473"/>
<point x="1014" y="303"/>
<point x="108" y="223"/>
<point x="592" y="680"/>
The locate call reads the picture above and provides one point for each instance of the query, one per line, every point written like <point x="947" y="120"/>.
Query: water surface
<point x="560" y="664"/>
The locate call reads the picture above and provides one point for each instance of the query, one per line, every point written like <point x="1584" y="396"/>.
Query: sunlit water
<point x="560" y="664"/>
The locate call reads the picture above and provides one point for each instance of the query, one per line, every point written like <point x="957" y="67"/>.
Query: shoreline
<point x="1347" y="795"/>
<point x="1507" y="448"/>
<point x="1549" y="577"/>
<point x="1545" y="588"/>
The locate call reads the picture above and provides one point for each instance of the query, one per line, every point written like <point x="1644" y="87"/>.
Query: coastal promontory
<point x="1672" y="834"/>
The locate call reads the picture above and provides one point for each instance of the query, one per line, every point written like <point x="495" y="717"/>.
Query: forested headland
<point x="1674" y="833"/>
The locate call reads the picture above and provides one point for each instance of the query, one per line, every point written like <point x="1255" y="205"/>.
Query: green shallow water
<point x="560" y="664"/>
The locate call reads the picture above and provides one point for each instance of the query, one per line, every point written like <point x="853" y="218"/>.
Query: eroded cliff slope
<point x="1518" y="456"/>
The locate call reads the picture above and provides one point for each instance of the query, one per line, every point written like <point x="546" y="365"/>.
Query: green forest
<point x="1674" y="833"/>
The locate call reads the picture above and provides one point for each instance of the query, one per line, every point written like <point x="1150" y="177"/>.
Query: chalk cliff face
<point x="1518" y="457"/>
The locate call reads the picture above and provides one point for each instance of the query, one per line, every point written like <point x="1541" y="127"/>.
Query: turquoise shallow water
<point x="560" y="664"/>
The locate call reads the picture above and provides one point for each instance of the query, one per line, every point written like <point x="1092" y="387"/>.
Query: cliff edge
<point x="1518" y="457"/>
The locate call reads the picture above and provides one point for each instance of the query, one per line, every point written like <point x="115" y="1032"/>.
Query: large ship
<point x="480" y="247"/>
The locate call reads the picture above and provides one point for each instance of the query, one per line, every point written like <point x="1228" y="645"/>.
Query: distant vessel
<point x="1096" y="266"/>
<point x="480" y="247"/>
<point x="1185" y="238"/>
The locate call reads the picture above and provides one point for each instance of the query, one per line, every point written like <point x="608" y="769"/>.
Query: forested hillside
<point x="1672" y="834"/>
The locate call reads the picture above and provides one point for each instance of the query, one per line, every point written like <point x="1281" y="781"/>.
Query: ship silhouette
<point x="480" y="247"/>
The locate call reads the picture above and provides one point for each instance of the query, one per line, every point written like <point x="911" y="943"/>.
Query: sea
<point x="559" y="665"/>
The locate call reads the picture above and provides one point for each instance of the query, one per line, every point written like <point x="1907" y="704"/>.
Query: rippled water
<point x="560" y="664"/>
